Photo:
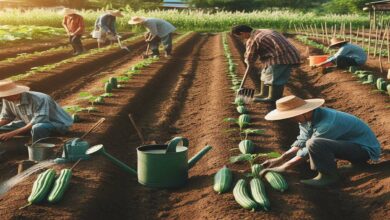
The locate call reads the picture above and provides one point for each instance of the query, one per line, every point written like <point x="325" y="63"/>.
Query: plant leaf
<point x="232" y="120"/>
<point x="253" y="131"/>
<point x="241" y="157"/>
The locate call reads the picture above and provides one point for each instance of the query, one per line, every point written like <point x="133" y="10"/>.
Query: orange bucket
<point x="318" y="59"/>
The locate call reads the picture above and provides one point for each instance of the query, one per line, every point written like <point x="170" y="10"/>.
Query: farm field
<point x="194" y="97"/>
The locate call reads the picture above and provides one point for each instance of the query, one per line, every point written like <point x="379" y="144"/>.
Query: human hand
<point x="279" y="169"/>
<point x="7" y="136"/>
<point x="272" y="162"/>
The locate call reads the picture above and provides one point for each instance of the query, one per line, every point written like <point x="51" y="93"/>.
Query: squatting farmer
<point x="347" y="55"/>
<point x="325" y="135"/>
<point x="75" y="27"/>
<point x="160" y="31"/>
<point x="105" y="26"/>
<point x="277" y="55"/>
<point x="27" y="111"/>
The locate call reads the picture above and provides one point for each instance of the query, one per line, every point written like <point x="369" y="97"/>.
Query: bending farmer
<point x="74" y="26"/>
<point x="325" y="135"/>
<point x="105" y="24"/>
<point x="275" y="52"/>
<point x="25" y="111"/>
<point x="160" y="30"/>
<point x="347" y="55"/>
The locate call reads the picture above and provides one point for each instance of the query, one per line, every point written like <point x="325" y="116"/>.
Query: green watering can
<point x="159" y="165"/>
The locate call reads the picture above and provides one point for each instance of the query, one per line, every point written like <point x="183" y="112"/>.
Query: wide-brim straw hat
<point x="291" y="106"/>
<point x="335" y="42"/>
<point x="115" y="13"/>
<point x="136" y="20"/>
<point x="68" y="11"/>
<point x="9" y="88"/>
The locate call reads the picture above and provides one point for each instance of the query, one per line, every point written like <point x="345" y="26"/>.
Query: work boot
<point x="322" y="180"/>
<point x="274" y="93"/>
<point x="263" y="90"/>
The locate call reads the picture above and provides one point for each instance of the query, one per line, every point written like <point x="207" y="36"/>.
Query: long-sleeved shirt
<point x="271" y="48"/>
<point x="106" y="22"/>
<point x="74" y="23"/>
<point x="335" y="125"/>
<point x="36" y="107"/>
<point x="158" y="27"/>
<point x="352" y="51"/>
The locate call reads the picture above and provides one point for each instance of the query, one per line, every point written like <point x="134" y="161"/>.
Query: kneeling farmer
<point x="275" y="52"/>
<point x="325" y="134"/>
<point x="347" y="55"/>
<point x="25" y="111"/>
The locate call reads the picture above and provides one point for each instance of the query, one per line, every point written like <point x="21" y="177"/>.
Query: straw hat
<point x="68" y="11"/>
<point x="291" y="106"/>
<point x="335" y="42"/>
<point x="115" y="13"/>
<point x="136" y="20"/>
<point x="9" y="88"/>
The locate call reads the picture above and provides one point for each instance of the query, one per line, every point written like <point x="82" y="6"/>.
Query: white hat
<point x="115" y="13"/>
<point x="291" y="106"/>
<point x="9" y="88"/>
<point x="68" y="11"/>
<point x="334" y="42"/>
<point x="136" y="20"/>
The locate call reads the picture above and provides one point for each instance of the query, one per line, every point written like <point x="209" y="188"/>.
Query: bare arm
<point x="11" y="134"/>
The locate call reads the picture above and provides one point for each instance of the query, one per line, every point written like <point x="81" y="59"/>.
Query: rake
<point x="245" y="93"/>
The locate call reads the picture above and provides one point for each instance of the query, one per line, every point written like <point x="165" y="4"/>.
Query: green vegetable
<point x="60" y="186"/>
<point x="108" y="87"/>
<point x="246" y="146"/>
<point x="42" y="186"/>
<point x="244" y="120"/>
<point x="239" y="101"/>
<point x="388" y="89"/>
<point x="75" y="117"/>
<point x="99" y="100"/>
<point x="242" y="109"/>
<point x="223" y="180"/>
<point x="114" y="82"/>
<point x="242" y="197"/>
<point x="276" y="180"/>
<point x="370" y="79"/>
<point x="381" y="84"/>
<point x="256" y="169"/>
<point x="259" y="194"/>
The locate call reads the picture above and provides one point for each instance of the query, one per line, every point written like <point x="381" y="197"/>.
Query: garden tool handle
<point x="136" y="128"/>
<point x="97" y="124"/>
<point x="245" y="76"/>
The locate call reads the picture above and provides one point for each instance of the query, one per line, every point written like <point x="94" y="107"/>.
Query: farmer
<point x="74" y="26"/>
<point x="160" y="31"/>
<point x="347" y="55"/>
<point x="25" y="111"/>
<point x="105" y="26"/>
<point x="325" y="134"/>
<point x="276" y="54"/>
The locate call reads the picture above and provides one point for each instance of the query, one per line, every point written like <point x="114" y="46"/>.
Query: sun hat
<point x="68" y="11"/>
<point x="9" y="88"/>
<point x="136" y="20"/>
<point x="334" y="42"/>
<point x="291" y="106"/>
<point x="115" y="13"/>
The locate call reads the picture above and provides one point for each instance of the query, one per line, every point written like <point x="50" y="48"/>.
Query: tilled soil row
<point x="8" y="69"/>
<point x="89" y="177"/>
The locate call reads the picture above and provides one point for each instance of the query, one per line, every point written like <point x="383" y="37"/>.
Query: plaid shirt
<point x="73" y="22"/>
<point x="271" y="48"/>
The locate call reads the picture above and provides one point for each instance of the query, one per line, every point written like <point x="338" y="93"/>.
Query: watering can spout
<point x="198" y="156"/>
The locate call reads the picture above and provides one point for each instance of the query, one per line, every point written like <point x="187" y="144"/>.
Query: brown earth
<point x="188" y="95"/>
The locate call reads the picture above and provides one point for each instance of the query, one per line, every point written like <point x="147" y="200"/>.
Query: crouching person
<point x="325" y="135"/>
<point x="26" y="111"/>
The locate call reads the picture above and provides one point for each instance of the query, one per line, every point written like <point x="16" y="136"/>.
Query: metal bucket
<point x="40" y="151"/>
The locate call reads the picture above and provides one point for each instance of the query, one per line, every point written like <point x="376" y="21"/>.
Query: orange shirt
<point x="73" y="22"/>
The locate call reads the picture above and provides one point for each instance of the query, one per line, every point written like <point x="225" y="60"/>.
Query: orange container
<point x="318" y="59"/>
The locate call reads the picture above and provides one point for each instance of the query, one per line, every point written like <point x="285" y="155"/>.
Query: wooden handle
<point x="136" y="128"/>
<point x="97" y="124"/>
<point x="244" y="78"/>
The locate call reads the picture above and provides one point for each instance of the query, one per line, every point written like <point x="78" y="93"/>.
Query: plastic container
<point x="313" y="60"/>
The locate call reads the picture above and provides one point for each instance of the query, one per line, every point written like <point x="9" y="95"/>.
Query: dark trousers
<point x="323" y="153"/>
<point x="75" y="41"/>
<point x="344" y="62"/>
<point x="166" y="41"/>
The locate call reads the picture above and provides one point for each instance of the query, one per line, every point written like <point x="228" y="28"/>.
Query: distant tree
<point x="345" y="6"/>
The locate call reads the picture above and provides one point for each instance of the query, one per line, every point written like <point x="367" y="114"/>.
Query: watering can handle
<point x="174" y="142"/>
